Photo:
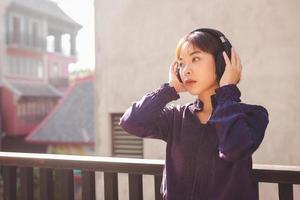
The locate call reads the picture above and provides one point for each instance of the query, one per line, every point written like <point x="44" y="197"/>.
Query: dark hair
<point x="203" y="41"/>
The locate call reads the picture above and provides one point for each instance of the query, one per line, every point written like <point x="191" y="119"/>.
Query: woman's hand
<point x="173" y="80"/>
<point x="233" y="69"/>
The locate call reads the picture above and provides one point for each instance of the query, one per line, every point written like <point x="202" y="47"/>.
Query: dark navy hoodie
<point x="210" y="161"/>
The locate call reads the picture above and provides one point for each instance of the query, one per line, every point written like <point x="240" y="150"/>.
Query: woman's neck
<point x="205" y="97"/>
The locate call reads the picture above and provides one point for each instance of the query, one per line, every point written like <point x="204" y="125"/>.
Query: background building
<point x="135" y="44"/>
<point x="37" y="45"/>
<point x="69" y="128"/>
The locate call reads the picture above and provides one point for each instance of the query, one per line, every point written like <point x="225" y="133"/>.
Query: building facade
<point x="39" y="42"/>
<point x="69" y="128"/>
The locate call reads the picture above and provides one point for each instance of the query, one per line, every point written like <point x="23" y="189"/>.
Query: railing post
<point x="26" y="186"/>
<point x="256" y="187"/>
<point x="88" y="185"/>
<point x="157" y="184"/>
<point x="65" y="180"/>
<point x="46" y="184"/>
<point x="110" y="186"/>
<point x="10" y="182"/>
<point x="135" y="187"/>
<point x="285" y="191"/>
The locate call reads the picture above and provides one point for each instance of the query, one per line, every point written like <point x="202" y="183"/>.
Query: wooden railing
<point x="57" y="171"/>
<point x="62" y="166"/>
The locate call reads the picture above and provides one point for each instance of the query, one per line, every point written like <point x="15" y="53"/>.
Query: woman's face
<point x="197" y="69"/>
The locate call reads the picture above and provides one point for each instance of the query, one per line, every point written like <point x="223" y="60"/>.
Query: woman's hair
<point x="203" y="41"/>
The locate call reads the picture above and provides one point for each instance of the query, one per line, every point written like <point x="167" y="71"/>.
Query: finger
<point x="239" y="64"/>
<point x="173" y="66"/>
<point x="233" y="57"/>
<point x="238" y="60"/>
<point x="226" y="58"/>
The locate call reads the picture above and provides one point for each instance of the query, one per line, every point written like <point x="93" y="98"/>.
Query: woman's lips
<point x="189" y="82"/>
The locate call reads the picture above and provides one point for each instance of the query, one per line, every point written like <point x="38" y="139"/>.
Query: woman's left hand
<point x="233" y="69"/>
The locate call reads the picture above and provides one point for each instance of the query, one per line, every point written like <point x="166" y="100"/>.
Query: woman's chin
<point x="194" y="92"/>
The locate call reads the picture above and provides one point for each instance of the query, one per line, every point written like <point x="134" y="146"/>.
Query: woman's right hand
<point x="173" y="80"/>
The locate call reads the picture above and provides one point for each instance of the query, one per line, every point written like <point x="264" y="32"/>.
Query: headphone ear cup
<point x="220" y="62"/>
<point x="220" y="65"/>
<point x="219" y="58"/>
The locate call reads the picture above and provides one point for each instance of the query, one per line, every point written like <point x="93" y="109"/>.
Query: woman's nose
<point x="186" y="70"/>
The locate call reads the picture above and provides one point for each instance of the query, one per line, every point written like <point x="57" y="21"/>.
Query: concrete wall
<point x="135" y="44"/>
<point x="3" y="5"/>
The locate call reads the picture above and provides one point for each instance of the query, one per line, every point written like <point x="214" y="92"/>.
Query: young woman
<point x="210" y="141"/>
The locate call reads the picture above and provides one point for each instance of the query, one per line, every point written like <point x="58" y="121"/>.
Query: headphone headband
<point x="215" y="33"/>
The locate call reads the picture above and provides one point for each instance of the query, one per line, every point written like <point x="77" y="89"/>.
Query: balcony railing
<point x="35" y="42"/>
<point x="26" y="40"/>
<point x="18" y="172"/>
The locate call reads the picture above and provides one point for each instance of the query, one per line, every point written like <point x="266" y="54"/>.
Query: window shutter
<point x="124" y="144"/>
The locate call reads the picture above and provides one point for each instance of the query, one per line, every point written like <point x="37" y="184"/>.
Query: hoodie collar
<point x="197" y="106"/>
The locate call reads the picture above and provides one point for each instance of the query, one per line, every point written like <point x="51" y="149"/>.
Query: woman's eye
<point x="195" y="59"/>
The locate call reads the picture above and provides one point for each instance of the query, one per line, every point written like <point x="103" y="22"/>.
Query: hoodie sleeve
<point x="240" y="127"/>
<point x="150" y="117"/>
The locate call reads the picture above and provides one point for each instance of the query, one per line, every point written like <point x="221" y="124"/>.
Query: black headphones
<point x="219" y="59"/>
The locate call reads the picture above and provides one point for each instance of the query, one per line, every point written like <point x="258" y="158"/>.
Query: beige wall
<point x="135" y="42"/>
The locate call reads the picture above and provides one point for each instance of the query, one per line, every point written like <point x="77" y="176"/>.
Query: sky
<point x="82" y="11"/>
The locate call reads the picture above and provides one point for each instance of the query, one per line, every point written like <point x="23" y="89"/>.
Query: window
<point x="34" y="34"/>
<point x="50" y="43"/>
<point x="55" y="70"/>
<point x="25" y="67"/>
<point x="43" y="108"/>
<point x="18" y="66"/>
<point x="20" y="110"/>
<point x="40" y="69"/>
<point x="16" y="29"/>
<point x="66" y="44"/>
<point x="124" y="144"/>
<point x="34" y="110"/>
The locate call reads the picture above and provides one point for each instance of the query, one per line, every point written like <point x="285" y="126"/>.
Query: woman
<point x="210" y="142"/>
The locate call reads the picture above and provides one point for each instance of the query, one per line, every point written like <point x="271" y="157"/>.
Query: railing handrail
<point x="264" y="172"/>
<point x="284" y="175"/>
<point x="283" y="168"/>
<point x="89" y="163"/>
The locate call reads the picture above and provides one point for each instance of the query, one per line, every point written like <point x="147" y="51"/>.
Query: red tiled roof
<point x="72" y="121"/>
